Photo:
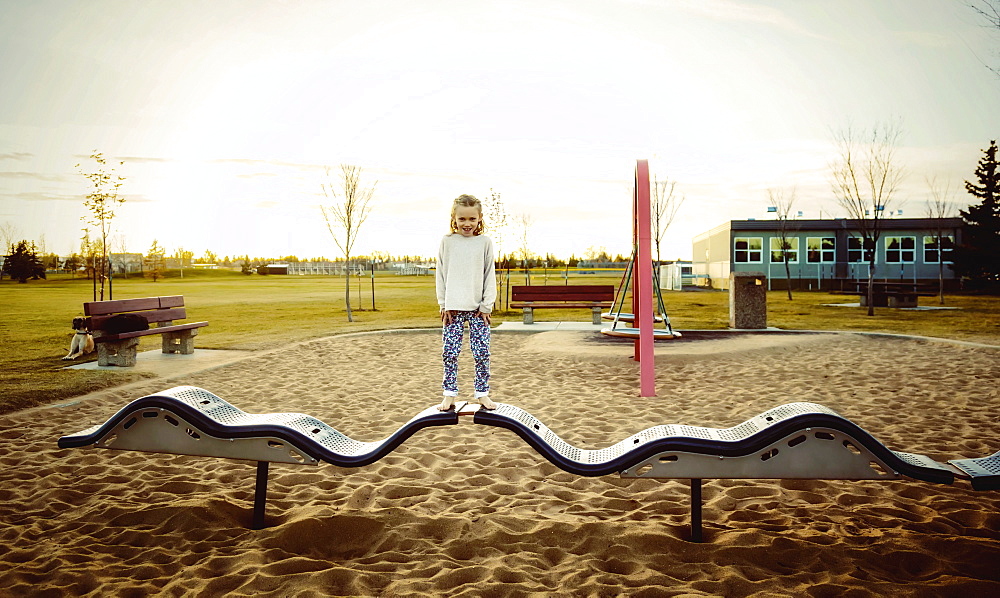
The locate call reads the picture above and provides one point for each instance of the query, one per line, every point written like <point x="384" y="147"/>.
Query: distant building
<point x="675" y="275"/>
<point x="176" y="263"/>
<point x="273" y="269"/>
<point x="826" y="254"/>
<point x="412" y="269"/>
<point x="125" y="263"/>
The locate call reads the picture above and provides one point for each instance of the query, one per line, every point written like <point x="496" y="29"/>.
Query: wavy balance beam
<point x="792" y="441"/>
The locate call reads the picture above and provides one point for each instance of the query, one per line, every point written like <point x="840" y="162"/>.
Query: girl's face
<point x="466" y="220"/>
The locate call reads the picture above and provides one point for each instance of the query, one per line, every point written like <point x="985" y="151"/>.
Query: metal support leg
<point x="696" y="510"/>
<point x="260" y="495"/>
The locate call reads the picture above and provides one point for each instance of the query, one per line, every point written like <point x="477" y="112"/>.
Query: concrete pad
<point x="171" y="364"/>
<point x="548" y="326"/>
<point x="917" y="308"/>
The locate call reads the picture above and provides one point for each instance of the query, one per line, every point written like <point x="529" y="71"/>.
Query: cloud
<point x="258" y="163"/>
<point x="40" y="196"/>
<point x="16" y="156"/>
<point x="143" y="160"/>
<point x="731" y="10"/>
<point x="32" y="175"/>
<point x="924" y="38"/>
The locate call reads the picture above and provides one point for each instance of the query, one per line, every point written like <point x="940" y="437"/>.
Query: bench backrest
<point x="577" y="292"/>
<point x="154" y="309"/>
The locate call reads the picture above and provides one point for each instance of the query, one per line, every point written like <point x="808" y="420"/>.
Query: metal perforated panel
<point x="983" y="466"/>
<point x="744" y="430"/>
<point x="695" y="432"/>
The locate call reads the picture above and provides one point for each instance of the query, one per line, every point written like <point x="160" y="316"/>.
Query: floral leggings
<point x="479" y="341"/>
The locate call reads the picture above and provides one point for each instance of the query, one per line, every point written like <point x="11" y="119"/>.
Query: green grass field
<point x="259" y="312"/>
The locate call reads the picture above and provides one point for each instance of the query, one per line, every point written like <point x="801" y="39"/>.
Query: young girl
<point x="466" y="289"/>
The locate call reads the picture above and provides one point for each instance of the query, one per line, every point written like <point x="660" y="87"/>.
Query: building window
<point x="778" y="252"/>
<point x="749" y="250"/>
<point x="854" y="251"/>
<point x="933" y="252"/>
<point x="820" y="250"/>
<point x="900" y="250"/>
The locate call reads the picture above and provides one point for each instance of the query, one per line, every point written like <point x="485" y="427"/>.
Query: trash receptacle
<point x="747" y="300"/>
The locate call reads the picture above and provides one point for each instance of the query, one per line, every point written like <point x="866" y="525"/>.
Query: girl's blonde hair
<point x="467" y="201"/>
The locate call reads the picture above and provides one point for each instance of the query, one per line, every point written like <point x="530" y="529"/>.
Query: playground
<point x="515" y="506"/>
<point x="471" y="510"/>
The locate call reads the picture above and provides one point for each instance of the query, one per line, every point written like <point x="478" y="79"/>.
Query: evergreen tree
<point x="977" y="257"/>
<point x="23" y="263"/>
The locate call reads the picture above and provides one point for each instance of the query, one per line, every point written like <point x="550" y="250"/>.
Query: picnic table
<point x="890" y="293"/>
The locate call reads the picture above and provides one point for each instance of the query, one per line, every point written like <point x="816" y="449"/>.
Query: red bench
<point x="119" y="348"/>
<point x="595" y="297"/>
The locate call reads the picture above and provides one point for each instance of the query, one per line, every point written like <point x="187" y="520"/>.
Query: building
<point x="272" y="269"/>
<point x="826" y="254"/>
<point x="125" y="263"/>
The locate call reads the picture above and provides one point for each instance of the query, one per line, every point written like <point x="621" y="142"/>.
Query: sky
<point x="229" y="115"/>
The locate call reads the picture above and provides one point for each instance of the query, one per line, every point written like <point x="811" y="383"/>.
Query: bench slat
<point x="100" y="308"/>
<point x="152" y="316"/>
<point x="563" y="293"/>
<point x="556" y="305"/>
<point x="171" y="301"/>
<point x="107" y="338"/>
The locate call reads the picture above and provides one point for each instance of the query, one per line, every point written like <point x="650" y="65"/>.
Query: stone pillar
<point x="747" y="300"/>
<point x="120" y="353"/>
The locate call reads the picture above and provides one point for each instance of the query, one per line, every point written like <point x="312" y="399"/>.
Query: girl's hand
<point x="445" y="317"/>
<point x="486" y="318"/>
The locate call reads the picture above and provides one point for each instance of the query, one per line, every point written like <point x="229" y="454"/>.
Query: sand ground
<point x="472" y="511"/>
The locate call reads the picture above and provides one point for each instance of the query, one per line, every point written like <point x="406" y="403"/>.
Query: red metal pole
<point x="644" y="281"/>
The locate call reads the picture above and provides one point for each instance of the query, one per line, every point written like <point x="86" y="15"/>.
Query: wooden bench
<point x="597" y="297"/>
<point x="120" y="348"/>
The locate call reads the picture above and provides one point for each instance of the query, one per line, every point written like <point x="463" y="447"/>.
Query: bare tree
<point x="783" y="203"/>
<point x="9" y="234"/>
<point x="866" y="176"/>
<point x="940" y="205"/>
<point x="344" y="217"/>
<point x="522" y="234"/>
<point x="989" y="11"/>
<point x="663" y="210"/>
<point x="495" y="216"/>
<point x="102" y="202"/>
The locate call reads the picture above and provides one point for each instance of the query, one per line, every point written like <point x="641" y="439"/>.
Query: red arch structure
<point x="642" y="280"/>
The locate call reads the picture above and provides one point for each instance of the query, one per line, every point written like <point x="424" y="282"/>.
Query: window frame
<point x="947" y="251"/>
<point x="832" y="251"/>
<point x="749" y="250"/>
<point x="898" y="255"/>
<point x="866" y="253"/>
<point x="793" y="250"/>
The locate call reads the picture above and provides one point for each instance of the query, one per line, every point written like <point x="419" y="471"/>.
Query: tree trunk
<point x="788" y="278"/>
<point x="347" y="290"/>
<point x="940" y="275"/>
<point x="871" y="287"/>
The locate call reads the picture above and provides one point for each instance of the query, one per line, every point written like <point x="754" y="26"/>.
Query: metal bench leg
<point x="696" y="510"/>
<point x="260" y="495"/>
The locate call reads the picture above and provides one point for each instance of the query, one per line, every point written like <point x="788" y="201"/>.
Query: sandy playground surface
<point x="471" y="510"/>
